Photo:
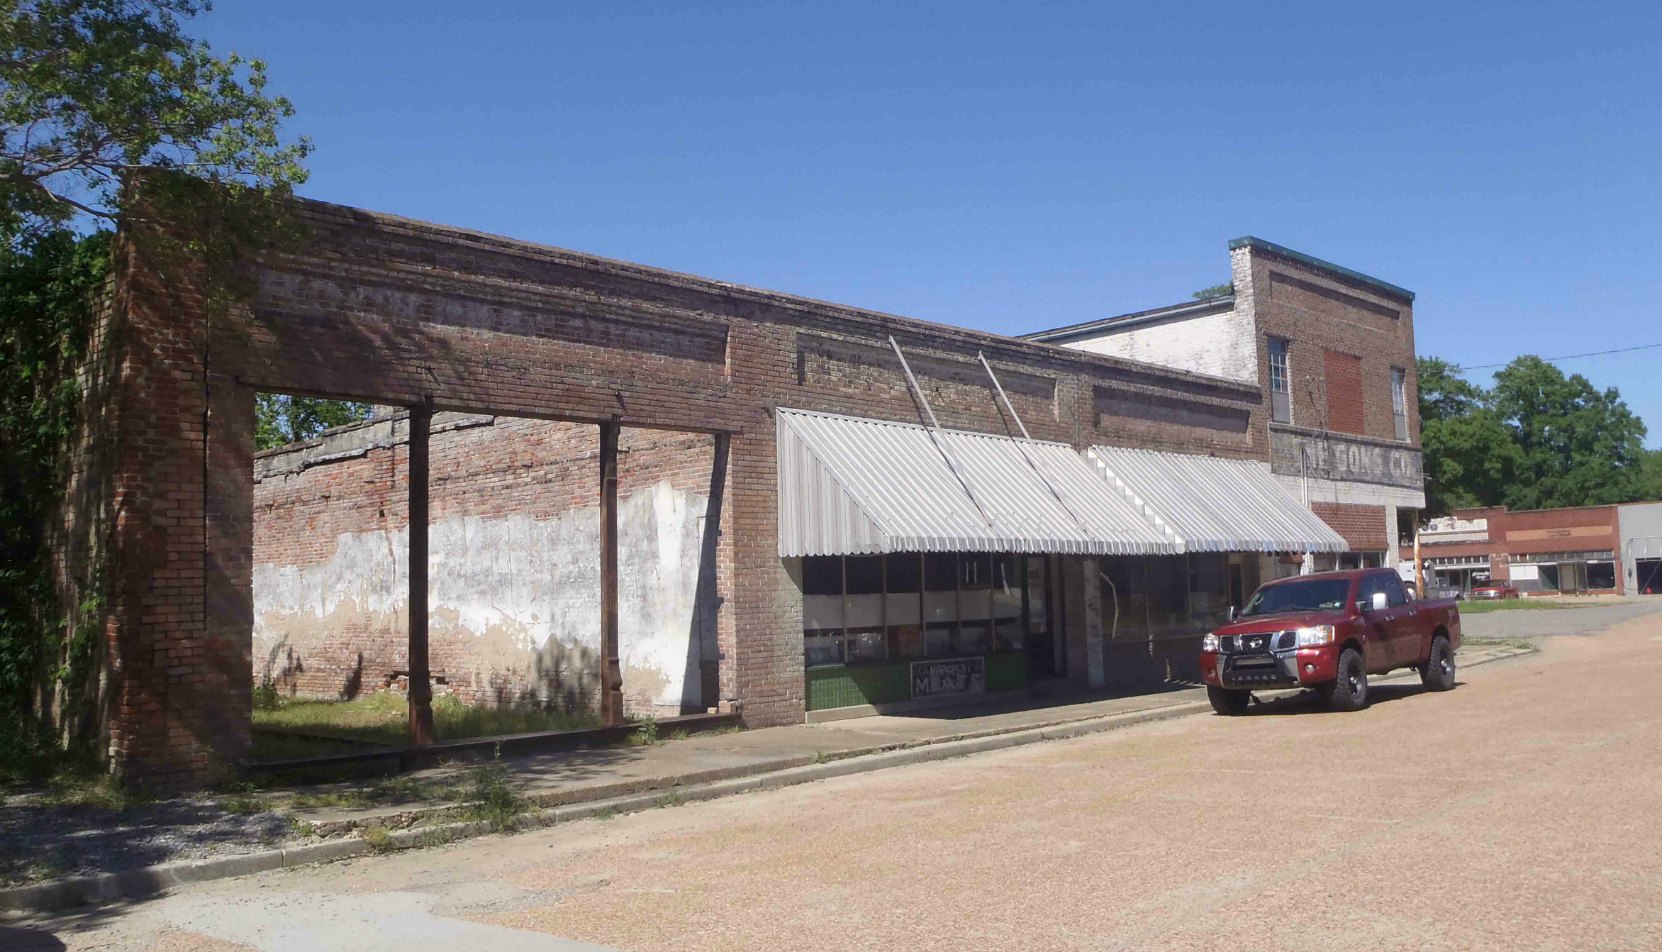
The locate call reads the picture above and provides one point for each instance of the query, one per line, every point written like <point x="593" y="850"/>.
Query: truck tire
<point x="1438" y="672"/>
<point x="1226" y="702"/>
<point x="1349" y="691"/>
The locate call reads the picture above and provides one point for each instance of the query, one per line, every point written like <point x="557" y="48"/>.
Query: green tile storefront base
<point x="836" y="686"/>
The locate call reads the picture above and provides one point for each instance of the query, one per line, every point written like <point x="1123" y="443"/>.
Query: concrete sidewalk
<point x="610" y="774"/>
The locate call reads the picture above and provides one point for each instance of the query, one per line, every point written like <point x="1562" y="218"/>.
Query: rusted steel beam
<point x="421" y="687"/>
<point x="611" y="672"/>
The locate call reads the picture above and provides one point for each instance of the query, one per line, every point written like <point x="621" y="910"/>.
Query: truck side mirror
<point x="1379" y="602"/>
<point x="1231" y="613"/>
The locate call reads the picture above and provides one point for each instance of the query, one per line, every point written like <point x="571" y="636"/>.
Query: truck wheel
<point x="1438" y="673"/>
<point x="1349" y="691"/>
<point x="1226" y="702"/>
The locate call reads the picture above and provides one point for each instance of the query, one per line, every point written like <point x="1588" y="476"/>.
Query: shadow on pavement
<point x="28" y="940"/>
<point x="1310" y="702"/>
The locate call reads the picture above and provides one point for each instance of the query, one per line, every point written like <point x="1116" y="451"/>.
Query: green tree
<point x="94" y="91"/>
<point x="1650" y="474"/>
<point x="1578" y="445"/>
<point x="1470" y="457"/>
<point x="93" y="95"/>
<point x="1216" y="290"/>
<point x="282" y="419"/>
<point x="47" y="287"/>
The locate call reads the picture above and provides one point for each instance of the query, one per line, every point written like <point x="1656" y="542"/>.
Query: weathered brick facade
<point x="391" y="311"/>
<point x="1345" y="334"/>
<point x="1362" y="526"/>
<point x="514" y="568"/>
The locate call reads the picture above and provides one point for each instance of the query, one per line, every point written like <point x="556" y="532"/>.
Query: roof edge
<point x="1198" y="308"/>
<point x="1259" y="244"/>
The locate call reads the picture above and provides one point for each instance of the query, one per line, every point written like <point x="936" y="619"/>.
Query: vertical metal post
<point x="420" y="688"/>
<point x="611" y="672"/>
<point x="1419" y="567"/>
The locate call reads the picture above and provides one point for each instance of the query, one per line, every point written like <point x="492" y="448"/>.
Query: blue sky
<point x="1014" y="167"/>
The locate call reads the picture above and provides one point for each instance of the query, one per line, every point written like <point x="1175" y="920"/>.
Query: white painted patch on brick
<point x="1220" y="345"/>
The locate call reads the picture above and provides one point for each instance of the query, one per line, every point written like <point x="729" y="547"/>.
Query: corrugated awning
<point x="1215" y="505"/>
<point x="851" y="486"/>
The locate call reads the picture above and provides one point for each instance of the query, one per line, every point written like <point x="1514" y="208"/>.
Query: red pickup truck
<point x="1329" y="632"/>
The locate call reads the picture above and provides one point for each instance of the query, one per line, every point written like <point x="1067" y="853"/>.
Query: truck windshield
<point x="1326" y="594"/>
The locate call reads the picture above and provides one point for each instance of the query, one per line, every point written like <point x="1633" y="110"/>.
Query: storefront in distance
<point x="1538" y="552"/>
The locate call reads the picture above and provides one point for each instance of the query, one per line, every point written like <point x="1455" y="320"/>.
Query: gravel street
<point x="1519" y="811"/>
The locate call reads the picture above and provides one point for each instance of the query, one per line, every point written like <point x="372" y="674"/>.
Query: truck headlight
<point x="1210" y="642"/>
<point x="1315" y="635"/>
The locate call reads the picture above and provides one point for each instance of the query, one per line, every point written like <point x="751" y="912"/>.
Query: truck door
<point x="1404" y="623"/>
<point x="1375" y="624"/>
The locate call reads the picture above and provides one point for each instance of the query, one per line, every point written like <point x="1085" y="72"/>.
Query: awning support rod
<point x="1025" y="453"/>
<point x="911" y="381"/>
<point x="1002" y="395"/>
<point x="934" y="424"/>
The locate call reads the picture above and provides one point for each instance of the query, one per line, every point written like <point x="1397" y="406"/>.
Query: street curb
<point x="149" y="880"/>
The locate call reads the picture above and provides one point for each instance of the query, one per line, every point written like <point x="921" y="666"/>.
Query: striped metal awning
<point x="852" y="486"/>
<point x="1208" y="504"/>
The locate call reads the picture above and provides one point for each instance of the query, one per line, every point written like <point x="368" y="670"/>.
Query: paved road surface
<point x="1587" y="617"/>
<point x="1521" y="811"/>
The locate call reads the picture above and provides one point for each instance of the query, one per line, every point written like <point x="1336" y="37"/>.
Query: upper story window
<point x="1281" y="405"/>
<point x="1399" y="401"/>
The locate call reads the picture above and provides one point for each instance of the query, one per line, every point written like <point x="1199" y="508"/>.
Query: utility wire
<point x="1596" y="353"/>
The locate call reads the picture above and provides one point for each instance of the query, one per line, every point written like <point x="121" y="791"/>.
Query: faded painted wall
<point x="1219" y="344"/>
<point x="514" y="609"/>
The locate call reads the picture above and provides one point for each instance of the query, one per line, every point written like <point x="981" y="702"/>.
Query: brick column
<point x="767" y="606"/>
<point x="228" y="618"/>
<point x="178" y="631"/>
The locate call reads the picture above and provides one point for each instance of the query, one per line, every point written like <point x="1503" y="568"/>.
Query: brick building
<point x="835" y="509"/>
<point x="1596" y="550"/>
<point x="1332" y="353"/>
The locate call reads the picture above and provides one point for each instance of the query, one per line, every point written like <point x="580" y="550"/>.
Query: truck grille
<point x="1268" y="641"/>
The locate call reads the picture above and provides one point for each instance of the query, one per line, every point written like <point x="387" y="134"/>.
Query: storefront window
<point x="1007" y="588"/>
<point x="1601" y="576"/>
<point x="1041" y="647"/>
<point x="867" y="639"/>
<point x="1038" y="593"/>
<point x="903" y="606"/>
<point x="1168" y="595"/>
<point x="1549" y="577"/>
<point x="940" y="603"/>
<point x="975" y="606"/>
<point x="822" y="610"/>
<point x="869" y="609"/>
<point x="1209" y="588"/>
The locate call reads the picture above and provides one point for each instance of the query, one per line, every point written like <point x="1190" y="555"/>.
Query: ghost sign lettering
<point x="1335" y="457"/>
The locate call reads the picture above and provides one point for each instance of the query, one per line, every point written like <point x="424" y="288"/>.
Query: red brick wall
<point x="1322" y="312"/>
<point x="392" y="311"/>
<point x="1362" y="526"/>
<point x="1346" y="409"/>
<point x="513" y="502"/>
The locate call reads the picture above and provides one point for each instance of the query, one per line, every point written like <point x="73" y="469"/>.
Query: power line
<point x="1596" y="353"/>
